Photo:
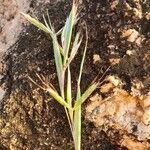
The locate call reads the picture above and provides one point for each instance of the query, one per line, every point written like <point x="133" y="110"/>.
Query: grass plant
<point x="64" y="53"/>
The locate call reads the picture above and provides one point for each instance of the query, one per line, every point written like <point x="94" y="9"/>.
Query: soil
<point x="119" y="33"/>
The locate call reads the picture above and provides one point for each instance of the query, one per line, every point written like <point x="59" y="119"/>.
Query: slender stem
<point x="83" y="58"/>
<point x="77" y="133"/>
<point x="77" y="124"/>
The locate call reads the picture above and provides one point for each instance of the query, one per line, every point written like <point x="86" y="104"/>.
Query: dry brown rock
<point x="127" y="114"/>
<point x="130" y="34"/>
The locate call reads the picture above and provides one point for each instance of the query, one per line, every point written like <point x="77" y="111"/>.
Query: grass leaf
<point x="85" y="95"/>
<point x="58" y="62"/>
<point x="67" y="32"/>
<point x="69" y="93"/>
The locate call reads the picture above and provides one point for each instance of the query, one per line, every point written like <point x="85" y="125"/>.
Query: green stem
<point x="77" y="128"/>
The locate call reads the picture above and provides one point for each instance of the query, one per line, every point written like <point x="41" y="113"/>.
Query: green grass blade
<point x="37" y="23"/>
<point x="57" y="97"/>
<point x="67" y="32"/>
<point x="69" y="95"/>
<point x="85" y="95"/>
<point x="58" y="62"/>
<point x="57" y="54"/>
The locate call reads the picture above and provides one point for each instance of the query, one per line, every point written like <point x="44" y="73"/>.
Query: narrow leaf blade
<point x="69" y="94"/>
<point x="58" y="62"/>
<point x="85" y="95"/>
<point x="67" y="31"/>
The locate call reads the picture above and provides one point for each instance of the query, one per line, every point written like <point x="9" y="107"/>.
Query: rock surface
<point x="10" y="25"/>
<point x="29" y="118"/>
<point x="128" y="115"/>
